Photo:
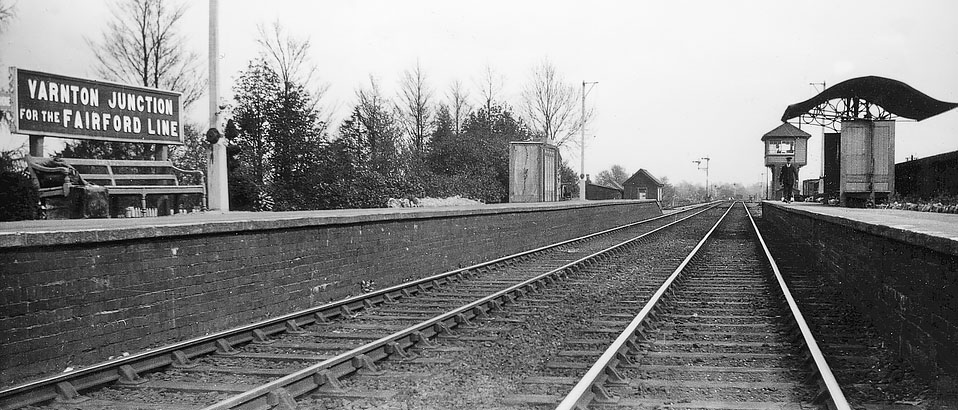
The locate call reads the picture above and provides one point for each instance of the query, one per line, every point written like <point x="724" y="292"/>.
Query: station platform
<point x="76" y="231"/>
<point x="898" y="268"/>
<point x="935" y="231"/>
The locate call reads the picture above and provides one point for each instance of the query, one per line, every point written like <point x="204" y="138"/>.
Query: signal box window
<point x="781" y="147"/>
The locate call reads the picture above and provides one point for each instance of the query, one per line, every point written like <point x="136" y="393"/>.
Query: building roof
<point x="952" y="155"/>
<point x="616" y="185"/>
<point x="894" y="96"/>
<point x="610" y="186"/>
<point x="643" y="172"/>
<point x="786" y="130"/>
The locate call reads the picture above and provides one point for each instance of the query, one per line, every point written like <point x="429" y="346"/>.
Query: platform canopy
<point x="871" y="97"/>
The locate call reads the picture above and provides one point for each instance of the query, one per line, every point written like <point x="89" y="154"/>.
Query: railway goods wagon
<point x="929" y="177"/>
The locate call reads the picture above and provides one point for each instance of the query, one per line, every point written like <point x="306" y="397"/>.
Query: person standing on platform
<point x="788" y="175"/>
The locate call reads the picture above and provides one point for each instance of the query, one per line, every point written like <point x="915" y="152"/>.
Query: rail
<point x="591" y="384"/>
<point x="837" y="398"/>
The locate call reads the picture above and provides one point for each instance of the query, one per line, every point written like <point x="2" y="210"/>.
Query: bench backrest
<point x="124" y="172"/>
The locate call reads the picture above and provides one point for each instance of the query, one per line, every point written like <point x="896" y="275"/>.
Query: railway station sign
<point x="58" y="106"/>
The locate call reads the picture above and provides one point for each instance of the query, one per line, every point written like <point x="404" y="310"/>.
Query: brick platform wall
<point x="67" y="304"/>
<point x="909" y="291"/>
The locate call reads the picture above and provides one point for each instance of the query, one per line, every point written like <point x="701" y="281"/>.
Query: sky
<point x="677" y="80"/>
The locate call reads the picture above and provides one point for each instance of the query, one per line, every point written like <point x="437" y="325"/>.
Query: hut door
<point x="642" y="193"/>
<point x="833" y="162"/>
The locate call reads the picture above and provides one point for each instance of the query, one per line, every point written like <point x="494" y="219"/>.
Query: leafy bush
<point x="481" y="186"/>
<point x="19" y="199"/>
<point x="245" y="193"/>
<point x="368" y="189"/>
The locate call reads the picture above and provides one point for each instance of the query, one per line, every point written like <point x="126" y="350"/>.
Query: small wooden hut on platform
<point x="642" y="185"/>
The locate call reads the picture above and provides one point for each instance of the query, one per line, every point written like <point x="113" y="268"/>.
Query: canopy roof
<point x="893" y="96"/>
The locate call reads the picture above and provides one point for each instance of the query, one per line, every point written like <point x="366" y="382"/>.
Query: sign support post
<point x="36" y="145"/>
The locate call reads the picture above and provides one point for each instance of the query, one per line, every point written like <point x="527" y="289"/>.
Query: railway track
<point x="389" y="322"/>
<point x="723" y="331"/>
<point x="678" y="312"/>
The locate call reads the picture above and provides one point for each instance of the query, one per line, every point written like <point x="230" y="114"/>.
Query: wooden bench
<point x="124" y="177"/>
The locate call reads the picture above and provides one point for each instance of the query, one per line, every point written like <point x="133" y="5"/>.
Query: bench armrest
<point x="36" y="169"/>
<point x="192" y="171"/>
<point x="188" y="171"/>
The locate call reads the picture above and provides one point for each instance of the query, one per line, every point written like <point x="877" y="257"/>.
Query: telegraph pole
<point x="582" y="155"/>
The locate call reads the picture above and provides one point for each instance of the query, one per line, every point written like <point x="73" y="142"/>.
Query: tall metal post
<point x="821" y="172"/>
<point x="582" y="155"/>
<point x="219" y="198"/>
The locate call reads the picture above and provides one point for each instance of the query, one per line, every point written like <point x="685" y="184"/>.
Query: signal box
<point x="785" y="141"/>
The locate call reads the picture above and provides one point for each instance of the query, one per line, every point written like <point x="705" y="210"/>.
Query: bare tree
<point x="459" y="106"/>
<point x="416" y="112"/>
<point x="141" y="45"/>
<point x="490" y="85"/>
<point x="289" y="58"/>
<point x="550" y="105"/>
<point x="7" y="13"/>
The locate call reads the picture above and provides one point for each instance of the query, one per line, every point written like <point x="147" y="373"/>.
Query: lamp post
<point x="582" y="154"/>
<point x="698" y="164"/>
<point x="217" y="180"/>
